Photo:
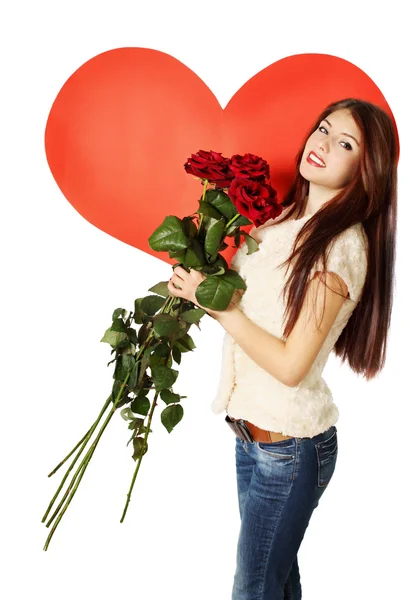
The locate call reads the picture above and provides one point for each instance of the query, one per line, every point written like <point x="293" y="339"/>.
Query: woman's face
<point x="338" y="142"/>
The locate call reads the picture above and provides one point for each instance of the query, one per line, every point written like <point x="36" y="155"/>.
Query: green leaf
<point x="151" y="304"/>
<point x="124" y="398"/>
<point x="161" y="356"/>
<point x="127" y="414"/>
<point x="171" y="416"/>
<point x="119" y="325"/>
<point x="190" y="228"/>
<point x="194" y="255"/>
<point x="185" y="344"/>
<point x="176" y="354"/>
<point x="144" y="363"/>
<point x="165" y="325"/>
<point x="136" y="424"/>
<point x="192" y="316"/>
<point x="184" y="327"/>
<point x="221" y="201"/>
<point x="156" y="360"/>
<point x="162" y="349"/>
<point x="132" y="335"/>
<point x="215" y="292"/>
<point x="144" y="330"/>
<point x="169" y="397"/>
<point x="122" y="344"/>
<point x="113" y="337"/>
<point x="128" y="349"/>
<point x="139" y="447"/>
<point x="180" y="256"/>
<point x="213" y="239"/>
<point x="208" y="210"/>
<point x="233" y="277"/>
<point x="138" y="314"/>
<point x="133" y="379"/>
<point x="141" y="404"/>
<point x="169" y="236"/>
<point x="160" y="288"/>
<point x="251" y="243"/>
<point x="163" y="377"/>
<point x="124" y="364"/>
<point x="222" y="263"/>
<point x="119" y="312"/>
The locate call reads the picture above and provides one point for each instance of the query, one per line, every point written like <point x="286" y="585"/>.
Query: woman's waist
<point x="257" y="433"/>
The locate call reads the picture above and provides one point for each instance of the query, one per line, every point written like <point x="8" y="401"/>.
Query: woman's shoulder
<point x="353" y="240"/>
<point x="348" y="257"/>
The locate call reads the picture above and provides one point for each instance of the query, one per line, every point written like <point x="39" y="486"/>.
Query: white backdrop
<point x="179" y="537"/>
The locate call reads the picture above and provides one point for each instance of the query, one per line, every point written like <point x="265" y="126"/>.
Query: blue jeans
<point x="279" y="485"/>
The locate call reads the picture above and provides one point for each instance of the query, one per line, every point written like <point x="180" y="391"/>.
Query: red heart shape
<point x="123" y="125"/>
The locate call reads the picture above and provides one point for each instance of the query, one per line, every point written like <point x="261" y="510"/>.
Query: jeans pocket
<point x="326" y="459"/>
<point x="283" y="449"/>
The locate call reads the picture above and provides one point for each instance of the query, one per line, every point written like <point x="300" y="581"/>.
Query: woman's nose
<point x="323" y="145"/>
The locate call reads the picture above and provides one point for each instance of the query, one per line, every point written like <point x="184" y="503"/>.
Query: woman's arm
<point x="289" y="361"/>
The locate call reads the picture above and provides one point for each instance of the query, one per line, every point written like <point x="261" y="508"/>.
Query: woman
<point x="337" y="233"/>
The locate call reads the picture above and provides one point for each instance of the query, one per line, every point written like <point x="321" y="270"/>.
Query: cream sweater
<point x="245" y="390"/>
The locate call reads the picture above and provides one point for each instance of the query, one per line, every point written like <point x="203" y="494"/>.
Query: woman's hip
<point x="309" y="460"/>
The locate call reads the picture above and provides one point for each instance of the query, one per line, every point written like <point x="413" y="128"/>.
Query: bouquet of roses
<point x="239" y="195"/>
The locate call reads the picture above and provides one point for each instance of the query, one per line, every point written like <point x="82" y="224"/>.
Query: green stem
<point x="90" y="431"/>
<point x="88" y="436"/>
<point x="203" y="198"/>
<point x="237" y="215"/>
<point x="84" y="465"/>
<point x="139" y="460"/>
<point x="68" y="455"/>
<point x="55" y="525"/>
<point x="205" y="188"/>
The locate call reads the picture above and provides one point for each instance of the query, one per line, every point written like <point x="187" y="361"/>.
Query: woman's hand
<point x="187" y="284"/>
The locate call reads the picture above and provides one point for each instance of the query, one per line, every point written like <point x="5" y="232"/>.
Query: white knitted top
<point x="245" y="390"/>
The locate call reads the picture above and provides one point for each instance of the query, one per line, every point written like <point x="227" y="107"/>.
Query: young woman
<point x="321" y="280"/>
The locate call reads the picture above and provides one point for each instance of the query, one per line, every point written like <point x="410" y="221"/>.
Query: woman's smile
<point x="315" y="160"/>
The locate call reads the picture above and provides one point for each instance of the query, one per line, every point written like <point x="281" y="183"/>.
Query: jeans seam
<point x="297" y="448"/>
<point x="273" y="535"/>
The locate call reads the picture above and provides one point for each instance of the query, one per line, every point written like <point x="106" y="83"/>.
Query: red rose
<point x="249" y="166"/>
<point x="254" y="200"/>
<point x="211" y="166"/>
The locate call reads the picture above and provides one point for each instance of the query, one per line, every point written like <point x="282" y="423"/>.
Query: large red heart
<point x="123" y="125"/>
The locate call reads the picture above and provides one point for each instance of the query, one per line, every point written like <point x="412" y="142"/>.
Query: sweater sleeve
<point x="347" y="257"/>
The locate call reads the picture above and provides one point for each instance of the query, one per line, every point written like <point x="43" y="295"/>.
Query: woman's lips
<point x="314" y="162"/>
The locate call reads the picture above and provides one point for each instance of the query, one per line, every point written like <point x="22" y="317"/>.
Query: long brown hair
<point x="371" y="199"/>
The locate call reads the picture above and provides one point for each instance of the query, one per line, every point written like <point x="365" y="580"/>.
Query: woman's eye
<point x="348" y="146"/>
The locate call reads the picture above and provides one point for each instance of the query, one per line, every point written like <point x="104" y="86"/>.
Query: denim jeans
<point x="279" y="485"/>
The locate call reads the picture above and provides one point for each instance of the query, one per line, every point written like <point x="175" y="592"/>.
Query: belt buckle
<point x="240" y="428"/>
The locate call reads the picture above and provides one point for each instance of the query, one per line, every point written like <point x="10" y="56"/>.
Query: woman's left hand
<point x="187" y="284"/>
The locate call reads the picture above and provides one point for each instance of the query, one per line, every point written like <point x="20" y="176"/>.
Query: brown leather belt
<point x="249" y="432"/>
